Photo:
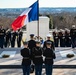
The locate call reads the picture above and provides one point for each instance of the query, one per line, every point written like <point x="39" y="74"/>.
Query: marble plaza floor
<point x="15" y="59"/>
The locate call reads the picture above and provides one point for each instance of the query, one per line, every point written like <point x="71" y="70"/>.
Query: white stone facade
<point x="43" y="27"/>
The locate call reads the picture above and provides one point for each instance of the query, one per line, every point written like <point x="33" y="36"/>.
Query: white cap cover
<point x="73" y="25"/>
<point x="49" y="35"/>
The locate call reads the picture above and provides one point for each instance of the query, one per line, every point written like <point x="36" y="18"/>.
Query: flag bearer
<point x="13" y="38"/>
<point x="49" y="56"/>
<point x="19" y="37"/>
<point x="26" y="61"/>
<point x="37" y="58"/>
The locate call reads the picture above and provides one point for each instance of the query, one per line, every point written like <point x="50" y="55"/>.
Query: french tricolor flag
<point x="30" y="14"/>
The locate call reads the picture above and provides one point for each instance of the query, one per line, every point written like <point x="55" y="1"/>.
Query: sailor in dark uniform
<point x="13" y="38"/>
<point x="67" y="38"/>
<point x="37" y="58"/>
<point x="56" y="38"/>
<point x="73" y="36"/>
<point x="62" y="38"/>
<point x="19" y="37"/>
<point x="54" y="34"/>
<point x="26" y="61"/>
<point x="31" y="45"/>
<point x="2" y="35"/>
<point x="48" y="40"/>
<point x="31" y="42"/>
<point x="7" y="38"/>
<point x="49" y="55"/>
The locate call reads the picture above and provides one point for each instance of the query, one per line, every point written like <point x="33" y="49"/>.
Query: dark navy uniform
<point x="26" y="56"/>
<point x="2" y="35"/>
<point x="49" y="56"/>
<point x="56" y="38"/>
<point x="53" y="47"/>
<point x="31" y="45"/>
<point x="37" y="55"/>
<point x="67" y="39"/>
<point x="62" y="39"/>
<point x="13" y="38"/>
<point x="26" y="61"/>
<point x="7" y="38"/>
<point x="38" y="60"/>
<point x="19" y="38"/>
<point x="73" y="37"/>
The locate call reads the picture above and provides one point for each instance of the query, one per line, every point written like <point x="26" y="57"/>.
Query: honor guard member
<point x="13" y="38"/>
<point x="73" y="36"/>
<point x="62" y="38"/>
<point x="19" y="37"/>
<point x="7" y="38"/>
<point x="67" y="38"/>
<point x="26" y="61"/>
<point x="49" y="40"/>
<point x="56" y="38"/>
<point x="53" y="34"/>
<point x="37" y="58"/>
<point x="31" y="45"/>
<point x="2" y="35"/>
<point x="31" y="42"/>
<point x="49" y="55"/>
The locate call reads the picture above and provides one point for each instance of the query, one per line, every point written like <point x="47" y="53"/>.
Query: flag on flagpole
<point x="30" y="14"/>
<point x="34" y="13"/>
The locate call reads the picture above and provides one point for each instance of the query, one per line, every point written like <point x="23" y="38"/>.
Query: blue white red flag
<point x="30" y="14"/>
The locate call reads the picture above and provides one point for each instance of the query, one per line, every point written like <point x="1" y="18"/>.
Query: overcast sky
<point x="42" y="3"/>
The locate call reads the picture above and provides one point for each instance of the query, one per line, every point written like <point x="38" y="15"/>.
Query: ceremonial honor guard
<point x="73" y="36"/>
<point x="13" y="38"/>
<point x="49" y="55"/>
<point x="56" y="38"/>
<point x="48" y="40"/>
<point x="31" y="42"/>
<point x="67" y="38"/>
<point x="2" y="35"/>
<point x="37" y="58"/>
<point x="62" y="38"/>
<point x="19" y="37"/>
<point x="7" y="38"/>
<point x="26" y="61"/>
<point x="31" y="45"/>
